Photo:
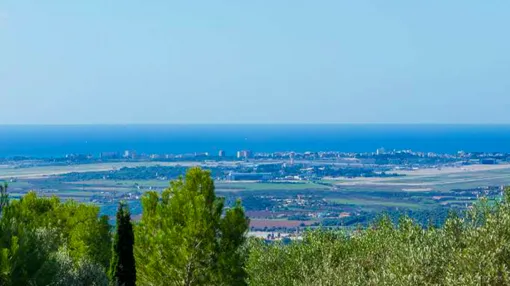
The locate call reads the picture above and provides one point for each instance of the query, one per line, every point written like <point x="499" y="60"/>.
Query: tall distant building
<point x="380" y="151"/>
<point x="129" y="154"/>
<point x="244" y="154"/>
<point x="221" y="153"/>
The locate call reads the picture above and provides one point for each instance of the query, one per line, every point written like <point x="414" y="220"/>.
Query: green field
<point x="20" y="184"/>
<point x="375" y="202"/>
<point x="122" y="183"/>
<point x="38" y="172"/>
<point x="256" y="186"/>
<point x="365" y="194"/>
<point x="220" y="185"/>
<point x="436" y="182"/>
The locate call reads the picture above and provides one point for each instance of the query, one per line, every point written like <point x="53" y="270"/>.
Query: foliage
<point x="122" y="267"/>
<point x="82" y="273"/>
<point x="34" y="229"/>
<point x="4" y="197"/>
<point x="183" y="239"/>
<point x="473" y="250"/>
<point x="187" y="237"/>
<point x="435" y="217"/>
<point x="133" y="173"/>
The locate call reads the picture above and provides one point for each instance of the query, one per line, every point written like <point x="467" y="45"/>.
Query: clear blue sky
<point x="95" y="61"/>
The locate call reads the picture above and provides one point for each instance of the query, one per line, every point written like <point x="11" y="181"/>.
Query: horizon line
<point x="248" y="123"/>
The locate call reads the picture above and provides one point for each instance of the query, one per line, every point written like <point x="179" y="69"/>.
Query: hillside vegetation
<point x="466" y="251"/>
<point x="188" y="237"/>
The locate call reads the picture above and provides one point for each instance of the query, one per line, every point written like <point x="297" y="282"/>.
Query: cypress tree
<point x="122" y="267"/>
<point x="4" y="197"/>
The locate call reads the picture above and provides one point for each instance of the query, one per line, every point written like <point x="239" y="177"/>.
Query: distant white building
<point x="129" y="154"/>
<point x="244" y="154"/>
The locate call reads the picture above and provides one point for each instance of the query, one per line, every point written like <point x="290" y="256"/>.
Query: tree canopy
<point x="41" y="236"/>
<point x="183" y="237"/>
<point x="187" y="236"/>
<point x="470" y="250"/>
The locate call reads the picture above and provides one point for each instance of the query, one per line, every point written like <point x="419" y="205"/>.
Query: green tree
<point x="4" y="257"/>
<point x="470" y="249"/>
<point x="231" y="256"/>
<point x="4" y="197"/>
<point x="122" y="266"/>
<point x="34" y="230"/>
<point x="183" y="239"/>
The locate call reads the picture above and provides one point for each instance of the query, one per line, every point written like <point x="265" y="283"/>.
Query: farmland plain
<point x="288" y="203"/>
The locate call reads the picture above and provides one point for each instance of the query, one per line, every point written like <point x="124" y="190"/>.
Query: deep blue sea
<point x="53" y="141"/>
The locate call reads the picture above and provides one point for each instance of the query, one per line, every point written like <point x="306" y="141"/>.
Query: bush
<point x="474" y="250"/>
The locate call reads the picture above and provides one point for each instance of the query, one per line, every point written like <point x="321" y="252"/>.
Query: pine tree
<point x="183" y="238"/>
<point x="122" y="267"/>
<point x="231" y="259"/>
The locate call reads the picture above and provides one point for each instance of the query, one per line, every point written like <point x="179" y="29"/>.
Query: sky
<point x="266" y="61"/>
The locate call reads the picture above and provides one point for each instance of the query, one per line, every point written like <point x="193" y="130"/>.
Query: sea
<point x="58" y="140"/>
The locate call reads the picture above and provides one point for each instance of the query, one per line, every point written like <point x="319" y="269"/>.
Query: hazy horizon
<point x="249" y="124"/>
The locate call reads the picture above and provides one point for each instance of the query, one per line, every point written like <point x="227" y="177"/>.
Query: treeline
<point x="126" y="173"/>
<point x="136" y="173"/>
<point x="435" y="217"/>
<point x="187" y="237"/>
<point x="470" y="250"/>
<point x="46" y="242"/>
<point x="170" y="172"/>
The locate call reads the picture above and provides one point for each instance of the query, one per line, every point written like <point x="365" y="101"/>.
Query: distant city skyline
<point x="262" y="62"/>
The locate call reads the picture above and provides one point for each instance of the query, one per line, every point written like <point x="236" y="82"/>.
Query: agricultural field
<point x="376" y="202"/>
<point x="278" y="223"/>
<point x="280" y="186"/>
<point x="7" y="171"/>
<point x="435" y="180"/>
<point x="279" y="205"/>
